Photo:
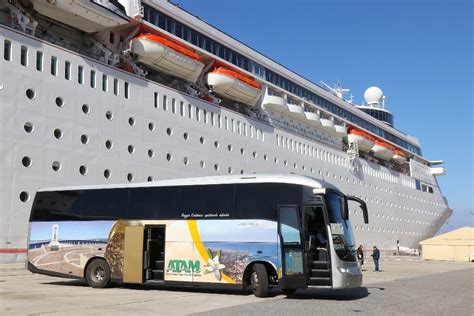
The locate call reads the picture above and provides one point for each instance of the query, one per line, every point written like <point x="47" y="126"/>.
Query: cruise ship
<point x="120" y="91"/>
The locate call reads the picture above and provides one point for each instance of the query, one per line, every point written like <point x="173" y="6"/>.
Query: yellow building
<point x="457" y="245"/>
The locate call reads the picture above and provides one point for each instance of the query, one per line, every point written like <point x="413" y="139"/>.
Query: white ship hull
<point x="62" y="132"/>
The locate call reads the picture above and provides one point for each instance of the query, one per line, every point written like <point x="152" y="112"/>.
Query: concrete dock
<point x="404" y="286"/>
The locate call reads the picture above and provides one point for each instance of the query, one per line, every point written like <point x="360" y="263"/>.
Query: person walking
<point x="360" y="255"/>
<point x="376" y="256"/>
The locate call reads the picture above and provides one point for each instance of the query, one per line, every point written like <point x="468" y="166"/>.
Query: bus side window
<point x="153" y="203"/>
<point x="289" y="225"/>
<point x="104" y="204"/>
<point x="57" y="206"/>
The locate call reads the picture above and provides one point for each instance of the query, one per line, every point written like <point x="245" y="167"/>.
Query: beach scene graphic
<point x="65" y="247"/>
<point x="232" y="245"/>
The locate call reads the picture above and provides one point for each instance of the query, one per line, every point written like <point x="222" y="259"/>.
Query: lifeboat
<point x="167" y="56"/>
<point x="383" y="150"/>
<point x="88" y="16"/>
<point x="399" y="156"/>
<point x="365" y="142"/>
<point x="233" y="85"/>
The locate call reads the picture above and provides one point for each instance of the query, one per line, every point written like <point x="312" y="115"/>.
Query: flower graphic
<point x="214" y="265"/>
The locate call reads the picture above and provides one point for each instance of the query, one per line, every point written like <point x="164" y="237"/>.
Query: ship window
<point x="104" y="82"/>
<point x="232" y="125"/>
<point x="92" y="83"/>
<point x="155" y="99"/>
<point x="126" y="89"/>
<point x="165" y="103"/>
<point x="181" y="108"/>
<point x="39" y="60"/>
<point x="173" y="105"/>
<point x="190" y="111"/>
<point x="226" y="123"/>
<point x="116" y="84"/>
<point x="213" y="119"/>
<point x="80" y="74"/>
<point x="198" y="114"/>
<point x="54" y="65"/>
<point x="24" y="56"/>
<point x="7" y="50"/>
<point x="112" y="37"/>
<point x="219" y="122"/>
<point x="67" y="70"/>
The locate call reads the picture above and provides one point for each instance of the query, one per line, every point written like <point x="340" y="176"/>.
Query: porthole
<point x="151" y="126"/>
<point x="312" y="170"/>
<point x="58" y="134"/>
<point x="151" y="153"/>
<point x="84" y="139"/>
<point x="169" y="131"/>
<point x="131" y="121"/>
<point x="149" y="179"/>
<point x="202" y="140"/>
<point x="109" y="115"/>
<point x="59" y="102"/>
<point x="168" y="157"/>
<point x="254" y="154"/>
<point x="303" y="167"/>
<point x="202" y="164"/>
<point x="242" y="151"/>
<point x="107" y="173"/>
<point x="131" y="149"/>
<point x="285" y="163"/>
<point x="265" y="157"/>
<point x="26" y="161"/>
<point x="24" y="196"/>
<point x="295" y="165"/>
<point x="108" y="144"/>
<point x="29" y="128"/>
<point x="30" y="94"/>
<point x="185" y="160"/>
<point x="85" y="109"/>
<point x="216" y="144"/>
<point x="229" y="170"/>
<point x="186" y="136"/>
<point x="216" y="167"/>
<point x="275" y="160"/>
<point x="56" y="166"/>
<point x="130" y="177"/>
<point x="83" y="170"/>
<point x="229" y="147"/>
<point x="242" y="171"/>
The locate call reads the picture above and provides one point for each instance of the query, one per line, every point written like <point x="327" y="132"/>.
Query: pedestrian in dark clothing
<point x="360" y="255"/>
<point x="376" y="256"/>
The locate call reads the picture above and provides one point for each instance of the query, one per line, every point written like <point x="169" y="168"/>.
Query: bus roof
<point x="236" y="179"/>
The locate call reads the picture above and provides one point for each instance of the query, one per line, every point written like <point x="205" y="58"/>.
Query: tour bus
<point x="254" y="232"/>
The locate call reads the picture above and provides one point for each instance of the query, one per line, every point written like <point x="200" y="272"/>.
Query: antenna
<point x="337" y="90"/>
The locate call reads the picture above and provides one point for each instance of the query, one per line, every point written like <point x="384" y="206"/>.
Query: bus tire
<point x="98" y="273"/>
<point x="259" y="280"/>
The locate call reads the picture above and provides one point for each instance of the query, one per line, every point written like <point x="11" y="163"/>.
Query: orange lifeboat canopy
<point x="233" y="85"/>
<point x="167" y="56"/>
<point x="365" y="141"/>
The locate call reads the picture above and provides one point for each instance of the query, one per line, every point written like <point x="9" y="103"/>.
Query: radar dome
<point x="373" y="95"/>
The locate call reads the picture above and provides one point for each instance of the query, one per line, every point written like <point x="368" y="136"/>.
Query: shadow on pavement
<point x="331" y="295"/>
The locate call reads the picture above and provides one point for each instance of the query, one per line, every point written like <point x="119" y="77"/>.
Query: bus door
<point x="289" y="229"/>
<point x="154" y="253"/>
<point x="316" y="245"/>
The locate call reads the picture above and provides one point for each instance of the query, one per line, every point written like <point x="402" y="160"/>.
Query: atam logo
<point x="187" y="266"/>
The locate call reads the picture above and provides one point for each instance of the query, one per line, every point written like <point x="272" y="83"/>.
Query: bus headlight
<point x="344" y="270"/>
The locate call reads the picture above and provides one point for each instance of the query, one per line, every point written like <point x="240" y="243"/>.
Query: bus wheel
<point x="98" y="273"/>
<point x="259" y="280"/>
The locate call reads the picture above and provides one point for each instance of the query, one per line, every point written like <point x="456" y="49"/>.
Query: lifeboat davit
<point x="383" y="150"/>
<point x="167" y="56"/>
<point x="233" y="85"/>
<point x="365" y="142"/>
<point x="399" y="156"/>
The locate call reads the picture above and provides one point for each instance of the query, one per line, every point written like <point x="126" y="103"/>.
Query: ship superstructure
<point x="129" y="91"/>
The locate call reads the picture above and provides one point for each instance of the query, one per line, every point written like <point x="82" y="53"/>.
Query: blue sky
<point x="420" y="52"/>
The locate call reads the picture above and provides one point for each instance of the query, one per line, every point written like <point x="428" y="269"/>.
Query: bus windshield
<point x="341" y="231"/>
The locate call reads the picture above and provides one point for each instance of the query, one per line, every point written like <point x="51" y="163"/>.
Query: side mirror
<point x="363" y="206"/>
